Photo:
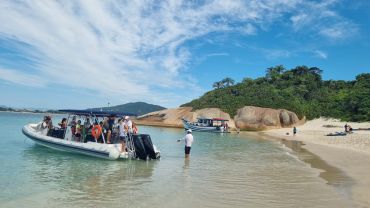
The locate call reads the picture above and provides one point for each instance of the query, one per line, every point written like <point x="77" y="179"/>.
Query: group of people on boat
<point x="109" y="130"/>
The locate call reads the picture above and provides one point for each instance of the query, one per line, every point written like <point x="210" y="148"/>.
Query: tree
<point x="228" y="82"/>
<point x="300" y="90"/>
<point x="274" y="73"/>
<point x="218" y="85"/>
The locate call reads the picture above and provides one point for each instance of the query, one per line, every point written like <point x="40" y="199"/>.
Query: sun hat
<point x="127" y="117"/>
<point x="189" y="130"/>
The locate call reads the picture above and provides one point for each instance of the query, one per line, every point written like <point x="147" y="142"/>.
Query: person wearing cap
<point x="188" y="141"/>
<point x="128" y="123"/>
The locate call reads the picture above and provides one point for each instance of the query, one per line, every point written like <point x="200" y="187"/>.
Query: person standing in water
<point x="188" y="141"/>
<point x="294" y="131"/>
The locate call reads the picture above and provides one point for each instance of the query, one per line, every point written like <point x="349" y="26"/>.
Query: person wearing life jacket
<point x="96" y="131"/>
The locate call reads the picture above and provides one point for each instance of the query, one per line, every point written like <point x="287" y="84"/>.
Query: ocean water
<point x="228" y="170"/>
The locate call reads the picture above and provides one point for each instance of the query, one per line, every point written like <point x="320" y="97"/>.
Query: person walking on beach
<point x="188" y="141"/>
<point x="294" y="131"/>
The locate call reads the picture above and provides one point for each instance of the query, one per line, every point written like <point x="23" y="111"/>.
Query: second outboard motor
<point x="139" y="147"/>
<point x="148" y="145"/>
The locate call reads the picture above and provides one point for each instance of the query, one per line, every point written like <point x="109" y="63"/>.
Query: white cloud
<point x="320" y="54"/>
<point x="322" y="18"/>
<point x="21" y="78"/>
<point x="134" y="49"/>
<point x="249" y="29"/>
<point x="339" y="31"/>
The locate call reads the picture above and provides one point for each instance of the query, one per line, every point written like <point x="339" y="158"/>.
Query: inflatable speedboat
<point x="138" y="146"/>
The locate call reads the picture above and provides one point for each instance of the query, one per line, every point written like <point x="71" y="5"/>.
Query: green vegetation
<point x="300" y="90"/>
<point x="139" y="108"/>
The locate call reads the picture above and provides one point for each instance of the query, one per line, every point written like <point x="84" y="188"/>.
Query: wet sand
<point x="331" y="174"/>
<point x="354" y="164"/>
<point x="344" y="160"/>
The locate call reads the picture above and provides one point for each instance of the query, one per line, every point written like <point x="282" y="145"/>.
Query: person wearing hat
<point x="128" y="123"/>
<point x="188" y="141"/>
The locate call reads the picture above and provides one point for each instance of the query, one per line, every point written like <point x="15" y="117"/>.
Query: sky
<point x="82" y="54"/>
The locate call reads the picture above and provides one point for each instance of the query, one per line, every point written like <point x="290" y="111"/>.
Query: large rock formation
<point x="247" y="118"/>
<point x="167" y="117"/>
<point x="256" y="118"/>
<point x="172" y="117"/>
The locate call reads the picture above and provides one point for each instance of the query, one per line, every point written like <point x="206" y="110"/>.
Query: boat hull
<point x="105" y="151"/>
<point x="195" y="127"/>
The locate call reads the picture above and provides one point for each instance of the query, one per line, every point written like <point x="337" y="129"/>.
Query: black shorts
<point x="78" y="135"/>
<point x="123" y="139"/>
<point x="187" y="150"/>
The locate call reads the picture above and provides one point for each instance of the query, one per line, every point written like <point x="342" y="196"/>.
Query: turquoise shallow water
<point x="224" y="171"/>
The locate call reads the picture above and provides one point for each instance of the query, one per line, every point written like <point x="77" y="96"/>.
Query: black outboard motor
<point x="139" y="147"/>
<point x="143" y="146"/>
<point x="147" y="142"/>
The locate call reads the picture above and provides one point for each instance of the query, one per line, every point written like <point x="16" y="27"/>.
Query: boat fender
<point x="114" y="153"/>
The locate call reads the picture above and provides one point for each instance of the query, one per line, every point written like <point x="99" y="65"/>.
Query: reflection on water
<point x="81" y="178"/>
<point x="226" y="170"/>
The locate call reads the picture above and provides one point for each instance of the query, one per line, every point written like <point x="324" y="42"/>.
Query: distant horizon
<point x="84" y="54"/>
<point x="44" y="109"/>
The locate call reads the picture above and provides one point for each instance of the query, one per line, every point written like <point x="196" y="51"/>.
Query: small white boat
<point x="217" y="125"/>
<point x="139" y="146"/>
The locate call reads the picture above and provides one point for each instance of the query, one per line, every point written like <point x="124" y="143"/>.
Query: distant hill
<point x="139" y="108"/>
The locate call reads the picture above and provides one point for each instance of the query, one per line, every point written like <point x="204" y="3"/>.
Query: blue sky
<point x="80" y="54"/>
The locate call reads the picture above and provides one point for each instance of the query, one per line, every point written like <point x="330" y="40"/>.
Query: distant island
<point x="301" y="90"/>
<point x="138" y="108"/>
<point x="26" y="110"/>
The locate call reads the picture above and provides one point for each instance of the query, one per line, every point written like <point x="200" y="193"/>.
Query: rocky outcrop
<point x="256" y="118"/>
<point x="169" y="117"/>
<point x="172" y="117"/>
<point x="247" y="118"/>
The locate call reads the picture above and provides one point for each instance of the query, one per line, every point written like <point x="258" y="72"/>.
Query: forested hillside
<point x="300" y="90"/>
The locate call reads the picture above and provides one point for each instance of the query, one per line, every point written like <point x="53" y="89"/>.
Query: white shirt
<point x="188" y="140"/>
<point x="129" y="124"/>
<point x="122" y="132"/>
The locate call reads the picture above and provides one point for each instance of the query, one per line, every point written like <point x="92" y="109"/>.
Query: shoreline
<point x="349" y="154"/>
<point x="342" y="161"/>
<point x="156" y="124"/>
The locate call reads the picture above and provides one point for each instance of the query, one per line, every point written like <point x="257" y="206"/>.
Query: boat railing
<point x="130" y="145"/>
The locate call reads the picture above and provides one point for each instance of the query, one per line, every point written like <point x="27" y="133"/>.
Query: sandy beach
<point x="349" y="153"/>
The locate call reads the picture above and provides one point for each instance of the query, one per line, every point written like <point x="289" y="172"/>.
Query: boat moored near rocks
<point x="217" y="125"/>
